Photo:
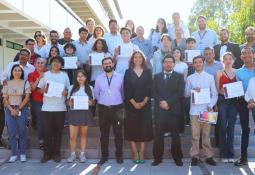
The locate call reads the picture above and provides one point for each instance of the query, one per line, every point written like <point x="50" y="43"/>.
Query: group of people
<point x="134" y="71"/>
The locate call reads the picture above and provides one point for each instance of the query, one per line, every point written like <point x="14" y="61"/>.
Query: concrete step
<point x="92" y="153"/>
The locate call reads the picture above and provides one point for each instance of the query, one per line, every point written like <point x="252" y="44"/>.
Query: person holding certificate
<point x="250" y="96"/>
<point x="199" y="82"/>
<point x="80" y="98"/>
<point x="124" y="51"/>
<point x="168" y="91"/>
<point x="70" y="49"/>
<point x="244" y="74"/>
<point x="137" y="90"/>
<point x="99" y="51"/>
<point x="109" y="94"/>
<point x="53" y="86"/>
<point x="227" y="109"/>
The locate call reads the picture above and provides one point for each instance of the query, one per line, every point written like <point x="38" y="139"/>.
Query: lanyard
<point x="202" y="37"/>
<point x="109" y="80"/>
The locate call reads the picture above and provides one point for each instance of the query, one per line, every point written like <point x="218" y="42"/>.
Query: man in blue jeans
<point x="244" y="74"/>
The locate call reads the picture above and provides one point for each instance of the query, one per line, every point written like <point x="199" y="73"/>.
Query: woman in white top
<point x="99" y="47"/>
<point x="180" y="66"/>
<point x="40" y="39"/>
<point x="79" y="119"/>
<point x="53" y="108"/>
<point x="98" y="33"/>
<point x="250" y="96"/>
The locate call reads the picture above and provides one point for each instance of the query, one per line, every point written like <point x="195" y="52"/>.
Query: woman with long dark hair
<point x="155" y="34"/>
<point x="137" y="91"/>
<point x="16" y="97"/>
<point x="79" y="120"/>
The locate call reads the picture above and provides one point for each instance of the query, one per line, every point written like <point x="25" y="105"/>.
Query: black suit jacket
<point x="171" y="91"/>
<point x="231" y="47"/>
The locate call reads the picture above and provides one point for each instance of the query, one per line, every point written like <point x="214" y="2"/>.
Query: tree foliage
<point x="236" y="15"/>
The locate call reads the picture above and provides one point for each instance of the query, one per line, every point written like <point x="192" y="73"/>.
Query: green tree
<point x="243" y="16"/>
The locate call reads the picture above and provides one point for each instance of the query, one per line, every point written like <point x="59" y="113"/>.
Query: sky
<point x="146" y="12"/>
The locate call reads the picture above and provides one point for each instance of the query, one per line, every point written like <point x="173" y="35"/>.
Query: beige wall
<point x="6" y="56"/>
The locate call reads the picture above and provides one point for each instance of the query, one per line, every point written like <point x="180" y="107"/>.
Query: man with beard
<point x="109" y="94"/>
<point x="44" y="51"/>
<point x="250" y="38"/>
<point x="204" y="37"/>
<point x="227" y="46"/>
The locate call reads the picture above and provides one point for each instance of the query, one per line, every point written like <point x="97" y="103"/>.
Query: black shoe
<point x="156" y="162"/>
<point x="102" y="161"/>
<point x="211" y="161"/>
<point x="194" y="161"/>
<point x="241" y="162"/>
<point x="178" y="162"/>
<point x="57" y="158"/>
<point x="119" y="160"/>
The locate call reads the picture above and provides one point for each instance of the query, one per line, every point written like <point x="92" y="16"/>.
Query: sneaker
<point x="71" y="158"/>
<point x="211" y="161"/>
<point x="82" y="158"/>
<point x="13" y="159"/>
<point x="23" y="158"/>
<point x="224" y="160"/>
<point x="231" y="160"/>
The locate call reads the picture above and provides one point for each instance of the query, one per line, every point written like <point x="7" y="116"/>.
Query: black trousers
<point x="244" y="120"/>
<point x="53" y="125"/>
<point x="158" y="145"/>
<point x="111" y="116"/>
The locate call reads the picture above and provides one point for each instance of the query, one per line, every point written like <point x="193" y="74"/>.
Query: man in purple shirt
<point x="109" y="94"/>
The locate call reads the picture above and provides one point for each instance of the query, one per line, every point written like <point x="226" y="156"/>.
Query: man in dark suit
<point x="168" y="91"/>
<point x="227" y="46"/>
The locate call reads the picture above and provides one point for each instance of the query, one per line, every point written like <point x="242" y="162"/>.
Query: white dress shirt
<point x="45" y="50"/>
<point x="201" y="80"/>
<point x="250" y="92"/>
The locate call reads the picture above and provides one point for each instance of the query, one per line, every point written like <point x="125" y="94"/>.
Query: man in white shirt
<point x="124" y="51"/>
<point x="197" y="81"/>
<point x="44" y="51"/>
<point x="177" y="23"/>
<point x="24" y="55"/>
<point x="113" y="39"/>
<point x="250" y="96"/>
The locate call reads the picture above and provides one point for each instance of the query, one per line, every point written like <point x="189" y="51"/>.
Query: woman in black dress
<point x="137" y="91"/>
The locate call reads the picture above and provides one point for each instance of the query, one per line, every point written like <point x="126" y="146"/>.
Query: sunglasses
<point x="38" y="35"/>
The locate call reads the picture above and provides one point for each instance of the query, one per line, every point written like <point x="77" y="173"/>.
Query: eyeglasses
<point x="38" y="35"/>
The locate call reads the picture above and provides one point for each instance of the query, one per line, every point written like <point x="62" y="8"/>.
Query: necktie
<point x="167" y="76"/>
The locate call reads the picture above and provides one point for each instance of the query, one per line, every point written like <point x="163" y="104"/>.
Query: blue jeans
<point x="253" y="114"/>
<point x="228" y="115"/>
<point x="17" y="126"/>
<point x="36" y="110"/>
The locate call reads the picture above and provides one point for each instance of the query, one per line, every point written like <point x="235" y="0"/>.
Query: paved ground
<point x="34" y="167"/>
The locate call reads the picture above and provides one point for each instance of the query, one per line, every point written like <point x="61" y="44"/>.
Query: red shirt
<point x="225" y="80"/>
<point x="32" y="77"/>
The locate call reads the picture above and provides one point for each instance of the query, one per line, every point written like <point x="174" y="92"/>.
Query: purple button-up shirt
<point x="109" y="95"/>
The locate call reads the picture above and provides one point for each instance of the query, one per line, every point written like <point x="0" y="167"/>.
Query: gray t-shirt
<point x="54" y="103"/>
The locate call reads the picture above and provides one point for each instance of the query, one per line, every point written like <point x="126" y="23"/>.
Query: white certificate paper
<point x="190" y="54"/>
<point x="126" y="51"/>
<point x="80" y="102"/>
<point x="232" y="90"/>
<point x="70" y="62"/>
<point x="202" y="97"/>
<point x="54" y="89"/>
<point x="96" y="59"/>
